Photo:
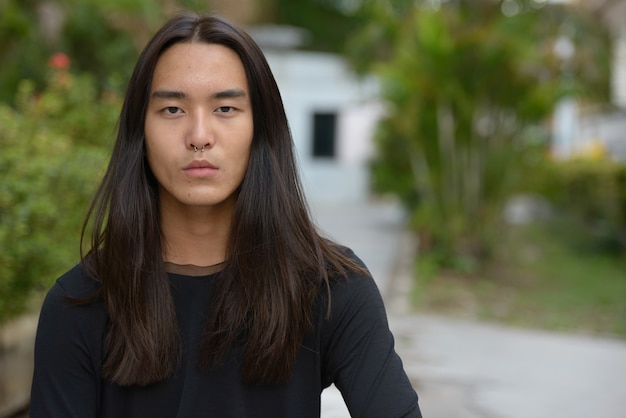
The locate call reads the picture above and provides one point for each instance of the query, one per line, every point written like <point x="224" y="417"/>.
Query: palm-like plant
<point x="467" y="87"/>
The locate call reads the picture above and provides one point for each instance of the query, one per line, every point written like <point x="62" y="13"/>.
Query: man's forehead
<point x="189" y="69"/>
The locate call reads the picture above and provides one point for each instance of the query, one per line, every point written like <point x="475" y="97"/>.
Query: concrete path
<point x="468" y="369"/>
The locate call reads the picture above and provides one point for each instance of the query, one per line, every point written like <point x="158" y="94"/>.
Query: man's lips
<point x="199" y="164"/>
<point x="200" y="168"/>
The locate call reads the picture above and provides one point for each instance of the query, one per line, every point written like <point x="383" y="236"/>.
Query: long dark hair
<point x="277" y="263"/>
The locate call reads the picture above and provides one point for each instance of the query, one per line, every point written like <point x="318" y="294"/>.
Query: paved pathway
<point x="467" y="369"/>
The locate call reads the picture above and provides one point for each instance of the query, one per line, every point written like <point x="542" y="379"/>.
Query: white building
<point x="575" y="133"/>
<point x="332" y="115"/>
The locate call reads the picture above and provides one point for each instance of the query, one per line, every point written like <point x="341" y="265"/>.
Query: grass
<point x="543" y="276"/>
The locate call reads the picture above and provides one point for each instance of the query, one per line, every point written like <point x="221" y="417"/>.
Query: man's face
<point x="199" y="99"/>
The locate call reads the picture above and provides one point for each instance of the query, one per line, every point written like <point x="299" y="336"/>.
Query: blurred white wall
<point x="313" y="82"/>
<point x="618" y="71"/>
<point x="321" y="83"/>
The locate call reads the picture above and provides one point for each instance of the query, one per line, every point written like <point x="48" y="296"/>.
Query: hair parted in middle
<point x="276" y="262"/>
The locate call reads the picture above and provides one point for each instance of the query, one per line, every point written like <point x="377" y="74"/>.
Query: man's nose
<point x="200" y="135"/>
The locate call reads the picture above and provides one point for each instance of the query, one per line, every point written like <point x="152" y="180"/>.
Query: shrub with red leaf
<point x="59" y="61"/>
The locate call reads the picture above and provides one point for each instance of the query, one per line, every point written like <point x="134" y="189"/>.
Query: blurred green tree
<point x="329" y="23"/>
<point x="468" y="85"/>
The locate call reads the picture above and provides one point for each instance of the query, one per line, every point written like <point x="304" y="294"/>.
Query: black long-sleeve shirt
<point x="354" y="349"/>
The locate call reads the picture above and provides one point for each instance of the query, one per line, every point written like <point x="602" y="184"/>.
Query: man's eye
<point x="225" y="109"/>
<point x="172" y="110"/>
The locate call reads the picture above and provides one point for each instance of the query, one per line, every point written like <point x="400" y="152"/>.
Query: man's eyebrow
<point x="175" y="94"/>
<point x="168" y="94"/>
<point x="229" y="94"/>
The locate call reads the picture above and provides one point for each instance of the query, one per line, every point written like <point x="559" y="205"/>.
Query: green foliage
<point x="102" y="37"/>
<point x="18" y="34"/>
<point x="329" y="23"/>
<point x="588" y="191"/>
<point x="96" y="44"/>
<point x="461" y="104"/>
<point x="54" y="144"/>
<point x="467" y="89"/>
<point x="592" y="192"/>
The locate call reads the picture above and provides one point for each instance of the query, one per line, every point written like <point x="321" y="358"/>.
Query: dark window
<point x="324" y="134"/>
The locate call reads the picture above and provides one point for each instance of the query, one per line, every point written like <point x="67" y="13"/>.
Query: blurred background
<point x="496" y="128"/>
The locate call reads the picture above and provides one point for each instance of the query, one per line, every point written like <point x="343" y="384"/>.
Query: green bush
<point x="103" y="37"/>
<point x="54" y="149"/>
<point x="593" y="193"/>
<point x="589" y="194"/>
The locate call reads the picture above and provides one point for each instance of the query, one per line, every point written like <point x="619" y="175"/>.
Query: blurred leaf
<point x="54" y="151"/>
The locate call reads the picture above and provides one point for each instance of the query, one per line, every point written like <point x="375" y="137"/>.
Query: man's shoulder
<point x="76" y="284"/>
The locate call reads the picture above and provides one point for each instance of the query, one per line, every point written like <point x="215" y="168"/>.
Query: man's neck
<point x="196" y="236"/>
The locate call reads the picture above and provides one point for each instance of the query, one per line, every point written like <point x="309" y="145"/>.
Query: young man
<point x="207" y="290"/>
